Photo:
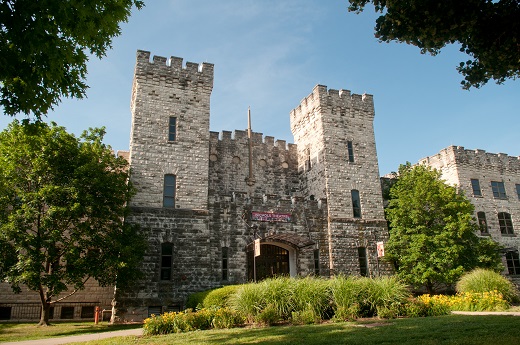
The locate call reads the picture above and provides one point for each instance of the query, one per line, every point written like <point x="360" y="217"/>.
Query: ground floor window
<point x="273" y="261"/>
<point x="154" y="310"/>
<point x="5" y="313"/>
<point x="87" y="312"/>
<point x="513" y="262"/>
<point x="363" y="262"/>
<point x="67" y="313"/>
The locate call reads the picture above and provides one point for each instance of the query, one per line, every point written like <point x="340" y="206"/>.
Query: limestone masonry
<point x="232" y="207"/>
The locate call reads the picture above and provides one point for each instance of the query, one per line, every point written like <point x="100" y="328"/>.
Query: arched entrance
<point x="273" y="261"/>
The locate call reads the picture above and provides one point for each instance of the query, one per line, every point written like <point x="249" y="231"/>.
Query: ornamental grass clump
<point x="311" y="300"/>
<point x="219" y="298"/>
<point x="248" y="300"/>
<point x="481" y="281"/>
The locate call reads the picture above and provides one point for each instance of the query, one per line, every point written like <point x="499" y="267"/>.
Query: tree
<point x="433" y="237"/>
<point x="488" y="31"/>
<point x="44" y="46"/>
<point x="62" y="205"/>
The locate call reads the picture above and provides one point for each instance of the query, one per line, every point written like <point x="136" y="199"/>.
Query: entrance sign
<point x="380" y="249"/>
<point x="257" y="247"/>
<point x="271" y="217"/>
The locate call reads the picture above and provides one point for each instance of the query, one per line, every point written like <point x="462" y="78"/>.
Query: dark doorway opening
<point x="273" y="261"/>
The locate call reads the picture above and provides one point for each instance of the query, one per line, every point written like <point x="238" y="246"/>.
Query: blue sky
<point x="270" y="54"/>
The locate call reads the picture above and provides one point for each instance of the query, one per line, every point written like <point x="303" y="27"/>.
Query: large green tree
<point x="44" y="47"/>
<point x="487" y="30"/>
<point x="62" y="208"/>
<point x="433" y="237"/>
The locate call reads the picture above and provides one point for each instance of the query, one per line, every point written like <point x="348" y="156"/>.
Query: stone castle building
<point x="492" y="183"/>
<point x="232" y="207"/>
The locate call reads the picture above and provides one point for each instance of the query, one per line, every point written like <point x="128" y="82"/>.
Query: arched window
<point x="505" y="222"/>
<point x="356" y="203"/>
<point x="166" y="261"/>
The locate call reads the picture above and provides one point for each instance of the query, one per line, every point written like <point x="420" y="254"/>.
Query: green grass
<point x="452" y="329"/>
<point x="29" y="331"/>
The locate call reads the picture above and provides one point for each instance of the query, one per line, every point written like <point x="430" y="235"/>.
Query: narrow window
<point x="172" y="129"/>
<point x="154" y="310"/>
<point x="518" y="190"/>
<point x="350" y="151"/>
<point x="513" y="262"/>
<point x="482" y="223"/>
<point x="363" y="263"/>
<point x="316" y="262"/>
<point x="67" y="313"/>
<point x="505" y="222"/>
<point x="356" y="204"/>
<point x="499" y="191"/>
<point x="166" y="261"/>
<point x="475" y="185"/>
<point x="225" y="263"/>
<point x="308" y="159"/>
<point x="169" y="191"/>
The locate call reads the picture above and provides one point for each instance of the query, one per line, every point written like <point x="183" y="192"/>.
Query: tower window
<point x="518" y="190"/>
<point x="316" y="262"/>
<point x="499" y="190"/>
<point x="350" y="150"/>
<point x="166" y="261"/>
<point x="169" y="191"/>
<point x="505" y="222"/>
<point x="363" y="262"/>
<point x="513" y="262"/>
<point x="475" y="185"/>
<point x="225" y="275"/>
<point x="356" y="204"/>
<point x="172" y="129"/>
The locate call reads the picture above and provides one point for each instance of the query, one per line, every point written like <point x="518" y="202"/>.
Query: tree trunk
<point x="44" y="318"/>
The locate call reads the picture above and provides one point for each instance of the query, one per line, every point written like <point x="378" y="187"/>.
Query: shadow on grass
<point x="453" y="329"/>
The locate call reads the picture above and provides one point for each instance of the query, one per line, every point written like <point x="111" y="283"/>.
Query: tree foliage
<point x="487" y="30"/>
<point x="44" y="46"/>
<point x="433" y="237"/>
<point x="62" y="205"/>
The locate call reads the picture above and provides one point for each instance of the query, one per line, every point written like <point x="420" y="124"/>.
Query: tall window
<point x="225" y="263"/>
<point x="475" y="185"/>
<point x="169" y="191"/>
<point x="166" y="261"/>
<point x="363" y="262"/>
<point x="518" y="190"/>
<point x="505" y="222"/>
<point x="172" y="129"/>
<point x="356" y="204"/>
<point x="513" y="262"/>
<point x="482" y="223"/>
<point x="499" y="191"/>
<point x="350" y="151"/>
<point x="316" y="262"/>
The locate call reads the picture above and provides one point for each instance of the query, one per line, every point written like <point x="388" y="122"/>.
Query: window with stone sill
<point x="475" y="186"/>
<point x="499" y="190"/>
<point x="363" y="261"/>
<point x="517" y="186"/>
<point x="350" y="150"/>
<point x="506" y="223"/>
<point x="225" y="271"/>
<point x="356" y="203"/>
<point x="169" y="190"/>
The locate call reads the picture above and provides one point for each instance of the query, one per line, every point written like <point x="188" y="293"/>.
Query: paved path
<point x="511" y="313"/>
<point x="78" y="338"/>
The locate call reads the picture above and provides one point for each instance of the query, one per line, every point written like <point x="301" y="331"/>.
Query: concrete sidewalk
<point x="78" y="338"/>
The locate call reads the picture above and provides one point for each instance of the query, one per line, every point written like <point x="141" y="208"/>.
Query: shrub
<point x="278" y="295"/>
<point x="345" y="297"/>
<point x="424" y="306"/>
<point x="248" y="300"/>
<point x="311" y="298"/>
<point x="387" y="296"/>
<point x="218" y="298"/>
<point x="481" y="280"/>
<point x="268" y="316"/>
<point x="227" y="318"/>
<point x="196" y="300"/>
<point x="467" y="301"/>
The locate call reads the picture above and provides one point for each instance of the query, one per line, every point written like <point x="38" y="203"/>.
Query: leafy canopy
<point x="487" y="30"/>
<point x="433" y="237"/>
<point x="44" y="46"/>
<point x="62" y="205"/>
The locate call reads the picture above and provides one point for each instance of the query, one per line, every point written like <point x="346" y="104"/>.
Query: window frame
<point x="316" y="254"/>
<point x="356" y="203"/>
<point x="166" y="256"/>
<point x="513" y="263"/>
<point x="350" y="150"/>
<point x="225" y="263"/>
<point x="506" y="223"/>
<point x="482" y="222"/>
<point x="517" y="187"/>
<point x="169" y="190"/>
<point x="172" y="128"/>
<point x="499" y="189"/>
<point x="363" y="261"/>
<point x="475" y="187"/>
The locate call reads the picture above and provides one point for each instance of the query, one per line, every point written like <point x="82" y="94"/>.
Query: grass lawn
<point x="29" y="331"/>
<point x="453" y="329"/>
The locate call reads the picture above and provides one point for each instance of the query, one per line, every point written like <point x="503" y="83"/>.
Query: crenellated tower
<point x="170" y="132"/>
<point x="334" y="133"/>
